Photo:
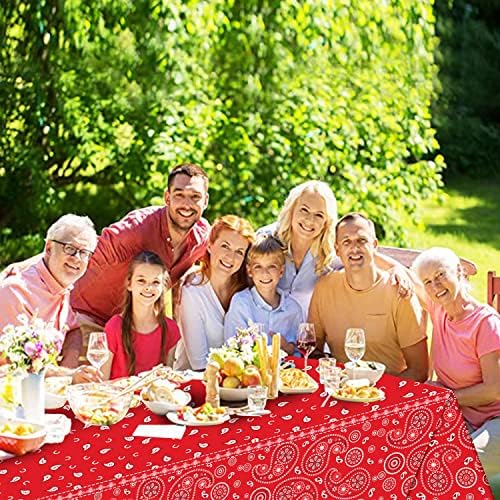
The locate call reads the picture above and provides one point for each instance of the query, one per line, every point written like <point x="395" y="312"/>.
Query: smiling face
<point x="67" y="269"/>
<point x="356" y="244"/>
<point x="186" y="199"/>
<point x="442" y="282"/>
<point x="146" y="284"/>
<point x="227" y="252"/>
<point x="265" y="271"/>
<point x="309" y="216"/>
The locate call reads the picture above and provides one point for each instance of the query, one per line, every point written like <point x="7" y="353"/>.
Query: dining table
<point x="412" y="444"/>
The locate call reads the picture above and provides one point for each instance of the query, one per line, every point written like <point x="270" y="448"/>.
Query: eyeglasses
<point x="73" y="251"/>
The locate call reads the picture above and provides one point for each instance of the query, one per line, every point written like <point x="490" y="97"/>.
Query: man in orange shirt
<point x="362" y="295"/>
<point x="41" y="286"/>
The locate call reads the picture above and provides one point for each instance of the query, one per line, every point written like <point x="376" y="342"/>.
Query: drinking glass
<point x="97" y="350"/>
<point x="257" y="397"/>
<point x="331" y="379"/>
<point x="323" y="365"/>
<point x="306" y="341"/>
<point x="355" y="344"/>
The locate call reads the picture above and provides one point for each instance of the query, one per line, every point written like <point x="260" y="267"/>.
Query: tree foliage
<point x="99" y="99"/>
<point x="467" y="115"/>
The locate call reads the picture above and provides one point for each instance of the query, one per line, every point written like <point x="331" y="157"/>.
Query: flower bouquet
<point x="30" y="346"/>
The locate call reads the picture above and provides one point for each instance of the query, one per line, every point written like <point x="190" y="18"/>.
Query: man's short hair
<point x="267" y="244"/>
<point x="189" y="169"/>
<point x="352" y="217"/>
<point x="70" y="221"/>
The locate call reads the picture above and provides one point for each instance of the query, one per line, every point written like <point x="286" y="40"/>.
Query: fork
<point x="323" y="404"/>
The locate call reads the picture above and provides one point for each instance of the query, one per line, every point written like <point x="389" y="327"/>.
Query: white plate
<point x="240" y="394"/>
<point x="176" y="420"/>
<point x="380" y="396"/>
<point x="299" y="390"/>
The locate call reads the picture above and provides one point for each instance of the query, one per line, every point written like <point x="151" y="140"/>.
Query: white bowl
<point x="372" y="370"/>
<point x="239" y="394"/>
<point x="54" y="401"/>
<point x="163" y="407"/>
<point x="55" y="391"/>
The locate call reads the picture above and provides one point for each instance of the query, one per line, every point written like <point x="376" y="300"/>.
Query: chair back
<point x="406" y="256"/>
<point x="493" y="290"/>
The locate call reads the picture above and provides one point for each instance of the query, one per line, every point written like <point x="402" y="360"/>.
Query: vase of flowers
<point x="29" y="348"/>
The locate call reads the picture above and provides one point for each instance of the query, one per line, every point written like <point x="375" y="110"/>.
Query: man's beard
<point x="184" y="226"/>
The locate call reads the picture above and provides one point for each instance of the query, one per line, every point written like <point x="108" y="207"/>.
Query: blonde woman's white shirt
<point x="201" y="324"/>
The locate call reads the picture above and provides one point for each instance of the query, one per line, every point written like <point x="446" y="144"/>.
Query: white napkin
<point x="160" y="431"/>
<point x="358" y="382"/>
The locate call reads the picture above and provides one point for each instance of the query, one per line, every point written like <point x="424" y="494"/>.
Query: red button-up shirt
<point x="100" y="292"/>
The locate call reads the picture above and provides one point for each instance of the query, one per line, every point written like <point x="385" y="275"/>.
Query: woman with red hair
<point x="205" y="299"/>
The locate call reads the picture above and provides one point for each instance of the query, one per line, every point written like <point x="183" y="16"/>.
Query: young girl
<point x="141" y="336"/>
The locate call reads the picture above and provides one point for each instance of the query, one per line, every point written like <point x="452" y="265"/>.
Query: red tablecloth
<point x="412" y="445"/>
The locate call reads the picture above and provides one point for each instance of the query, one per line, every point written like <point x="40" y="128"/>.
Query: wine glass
<point x="97" y="350"/>
<point x="306" y="341"/>
<point x="355" y="344"/>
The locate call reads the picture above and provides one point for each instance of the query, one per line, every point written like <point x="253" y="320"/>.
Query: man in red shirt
<point x="176" y="232"/>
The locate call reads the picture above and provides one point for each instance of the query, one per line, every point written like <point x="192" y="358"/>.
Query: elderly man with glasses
<point x="41" y="286"/>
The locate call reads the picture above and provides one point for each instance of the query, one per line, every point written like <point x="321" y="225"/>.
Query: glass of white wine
<point x="355" y="344"/>
<point x="97" y="350"/>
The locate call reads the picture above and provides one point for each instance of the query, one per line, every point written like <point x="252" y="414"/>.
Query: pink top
<point x="457" y="347"/>
<point x="35" y="291"/>
<point x="146" y="346"/>
<point x="99" y="293"/>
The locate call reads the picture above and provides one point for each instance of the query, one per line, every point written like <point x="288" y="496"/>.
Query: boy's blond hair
<point x="267" y="244"/>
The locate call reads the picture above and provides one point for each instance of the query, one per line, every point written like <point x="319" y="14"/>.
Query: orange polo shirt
<point x="390" y="323"/>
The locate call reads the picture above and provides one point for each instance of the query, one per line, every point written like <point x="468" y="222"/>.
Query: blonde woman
<point x="306" y="225"/>
<point x="205" y="300"/>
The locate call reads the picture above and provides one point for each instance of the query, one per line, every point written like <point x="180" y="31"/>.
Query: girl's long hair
<point x="159" y="308"/>
<point x="239" y="280"/>
<point x="323" y="247"/>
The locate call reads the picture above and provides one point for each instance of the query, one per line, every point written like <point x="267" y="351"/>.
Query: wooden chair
<point x="406" y="256"/>
<point x="493" y="290"/>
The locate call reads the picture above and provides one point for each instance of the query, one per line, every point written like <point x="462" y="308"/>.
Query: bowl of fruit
<point x="98" y="403"/>
<point x="238" y="361"/>
<point x="235" y="377"/>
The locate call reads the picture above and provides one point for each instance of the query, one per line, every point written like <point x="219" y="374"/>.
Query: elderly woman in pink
<point x="465" y="349"/>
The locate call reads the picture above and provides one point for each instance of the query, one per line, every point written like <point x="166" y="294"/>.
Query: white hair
<point x="444" y="257"/>
<point x="71" y="222"/>
<point x="436" y="255"/>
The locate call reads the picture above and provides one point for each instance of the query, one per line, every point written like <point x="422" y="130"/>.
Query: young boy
<point x="265" y="303"/>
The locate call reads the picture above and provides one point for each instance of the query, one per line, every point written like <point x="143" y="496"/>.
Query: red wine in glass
<point x="306" y="340"/>
<point x="306" y="347"/>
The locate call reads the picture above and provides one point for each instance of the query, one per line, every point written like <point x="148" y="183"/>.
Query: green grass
<point x="466" y="220"/>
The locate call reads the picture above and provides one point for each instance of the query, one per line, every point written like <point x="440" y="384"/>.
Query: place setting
<point x="356" y="382"/>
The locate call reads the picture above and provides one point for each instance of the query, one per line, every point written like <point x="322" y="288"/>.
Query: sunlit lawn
<point x="467" y="221"/>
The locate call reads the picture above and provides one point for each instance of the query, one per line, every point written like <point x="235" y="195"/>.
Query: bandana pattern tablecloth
<point x="414" y="444"/>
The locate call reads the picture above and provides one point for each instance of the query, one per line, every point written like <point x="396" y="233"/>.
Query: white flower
<point x="30" y="345"/>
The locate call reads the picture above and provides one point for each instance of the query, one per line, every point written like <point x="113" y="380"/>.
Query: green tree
<point x="100" y="99"/>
